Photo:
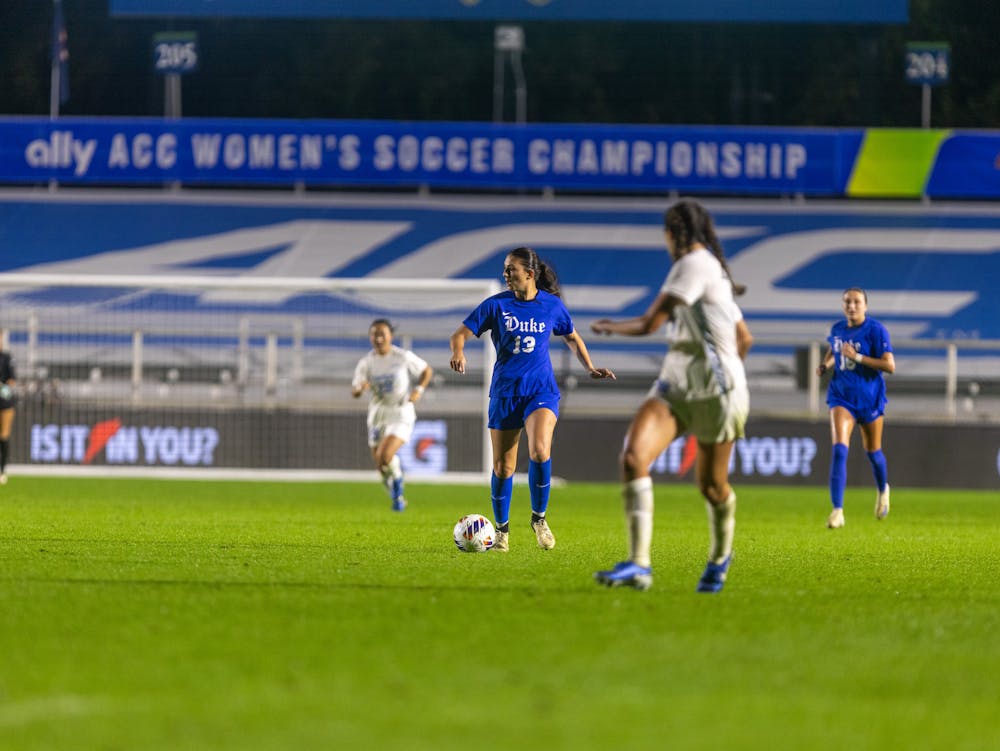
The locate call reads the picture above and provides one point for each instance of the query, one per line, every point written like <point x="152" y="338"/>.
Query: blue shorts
<point x="862" y="413"/>
<point x="510" y="412"/>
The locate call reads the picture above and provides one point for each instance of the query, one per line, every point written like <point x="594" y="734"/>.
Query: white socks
<point x="638" y="496"/>
<point x="393" y="469"/>
<point x="721" y="525"/>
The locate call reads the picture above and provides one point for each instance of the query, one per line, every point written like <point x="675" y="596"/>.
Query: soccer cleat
<point x="714" y="576"/>
<point x="626" y="574"/>
<point x="546" y="540"/>
<point x="501" y="542"/>
<point x="882" y="503"/>
<point x="836" y="519"/>
<point x="399" y="504"/>
<point x="3" y="479"/>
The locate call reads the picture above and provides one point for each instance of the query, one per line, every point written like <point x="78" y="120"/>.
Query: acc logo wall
<point x="123" y="444"/>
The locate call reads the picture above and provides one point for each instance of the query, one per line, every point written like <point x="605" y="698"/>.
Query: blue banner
<point x="803" y="11"/>
<point x="967" y="166"/>
<point x="765" y="161"/>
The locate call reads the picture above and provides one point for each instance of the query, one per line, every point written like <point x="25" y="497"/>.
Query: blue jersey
<point x="520" y="330"/>
<point x="856" y="386"/>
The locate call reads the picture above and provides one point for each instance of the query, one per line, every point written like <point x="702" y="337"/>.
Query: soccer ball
<point x="474" y="533"/>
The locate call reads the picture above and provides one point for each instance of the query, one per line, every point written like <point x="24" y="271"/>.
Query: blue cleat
<point x="714" y="576"/>
<point x="626" y="574"/>
<point x="399" y="504"/>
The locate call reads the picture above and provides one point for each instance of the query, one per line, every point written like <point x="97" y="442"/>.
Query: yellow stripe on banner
<point x="895" y="163"/>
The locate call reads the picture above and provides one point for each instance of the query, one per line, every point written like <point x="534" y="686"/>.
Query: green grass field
<point x="208" y="615"/>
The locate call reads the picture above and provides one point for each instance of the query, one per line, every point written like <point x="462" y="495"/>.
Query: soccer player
<point x="395" y="378"/>
<point x="7" y="381"/>
<point x="859" y="353"/>
<point x="701" y="389"/>
<point x="524" y="395"/>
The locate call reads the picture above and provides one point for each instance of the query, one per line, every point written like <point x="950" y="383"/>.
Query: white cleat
<point x="546" y="540"/>
<point x="3" y="479"/>
<point x="502" y="542"/>
<point x="882" y="503"/>
<point x="836" y="519"/>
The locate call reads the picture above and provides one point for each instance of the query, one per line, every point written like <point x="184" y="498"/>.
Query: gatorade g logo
<point x="426" y="453"/>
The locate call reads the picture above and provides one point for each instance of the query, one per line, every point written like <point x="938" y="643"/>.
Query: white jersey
<point x="702" y="361"/>
<point x="391" y="378"/>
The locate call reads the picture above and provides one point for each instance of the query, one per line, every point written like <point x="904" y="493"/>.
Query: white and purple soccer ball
<point x="474" y="533"/>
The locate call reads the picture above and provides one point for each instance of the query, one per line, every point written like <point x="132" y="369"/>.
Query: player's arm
<point x="658" y="313"/>
<point x="575" y="342"/>
<point x="462" y="334"/>
<point x="360" y="384"/>
<point x="886" y="363"/>
<point x="826" y="362"/>
<point x="744" y="339"/>
<point x="422" y="383"/>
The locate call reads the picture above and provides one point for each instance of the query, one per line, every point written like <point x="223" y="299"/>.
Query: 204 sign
<point x="928" y="64"/>
<point x="175" y="53"/>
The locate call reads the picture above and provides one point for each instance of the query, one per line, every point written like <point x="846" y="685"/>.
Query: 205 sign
<point x="928" y="63"/>
<point x="175" y="52"/>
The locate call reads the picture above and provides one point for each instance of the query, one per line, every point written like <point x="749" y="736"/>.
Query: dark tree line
<point x="766" y="74"/>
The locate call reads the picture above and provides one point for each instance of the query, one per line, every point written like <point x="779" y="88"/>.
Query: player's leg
<point x="841" y="426"/>
<point x="871" y="438"/>
<point x="6" y="421"/>
<point x="387" y="461"/>
<point x="539" y="426"/>
<point x="504" y="443"/>
<point x="653" y="428"/>
<point x="712" y="469"/>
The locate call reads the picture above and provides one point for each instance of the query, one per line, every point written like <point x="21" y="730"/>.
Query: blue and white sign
<point x="928" y="63"/>
<point x="930" y="271"/>
<point x="446" y="154"/>
<point x="175" y="52"/>
<point x="795" y="11"/>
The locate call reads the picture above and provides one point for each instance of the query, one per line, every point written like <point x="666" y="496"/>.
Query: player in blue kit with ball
<point x="524" y="396"/>
<point x="859" y="354"/>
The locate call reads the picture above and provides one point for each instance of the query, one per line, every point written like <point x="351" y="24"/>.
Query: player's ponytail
<point x="545" y="276"/>
<point x="689" y="223"/>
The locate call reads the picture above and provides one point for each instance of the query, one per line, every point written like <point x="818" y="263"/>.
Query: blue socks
<point x="539" y="483"/>
<point x="838" y="474"/>
<point x="879" y="471"/>
<point x="500" y="492"/>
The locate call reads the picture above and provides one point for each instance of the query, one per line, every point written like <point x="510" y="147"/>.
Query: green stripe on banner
<point x="895" y="163"/>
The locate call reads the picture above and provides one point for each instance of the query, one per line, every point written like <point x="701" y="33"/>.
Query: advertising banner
<point x="774" y="452"/>
<point x="869" y="163"/>
<point x="765" y="161"/>
<point x="793" y="452"/>
<point x="808" y="11"/>
<point x="72" y="435"/>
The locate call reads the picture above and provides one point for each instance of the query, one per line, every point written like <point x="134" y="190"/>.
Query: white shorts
<point x="717" y="420"/>
<point x="402" y="429"/>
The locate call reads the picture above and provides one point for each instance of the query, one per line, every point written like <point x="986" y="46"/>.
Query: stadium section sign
<point x="801" y="11"/>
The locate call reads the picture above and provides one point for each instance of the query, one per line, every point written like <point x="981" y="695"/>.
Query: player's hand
<point x="821" y="369"/>
<point x="600" y="373"/>
<point x="848" y="351"/>
<point x="600" y="326"/>
<point x="458" y="363"/>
